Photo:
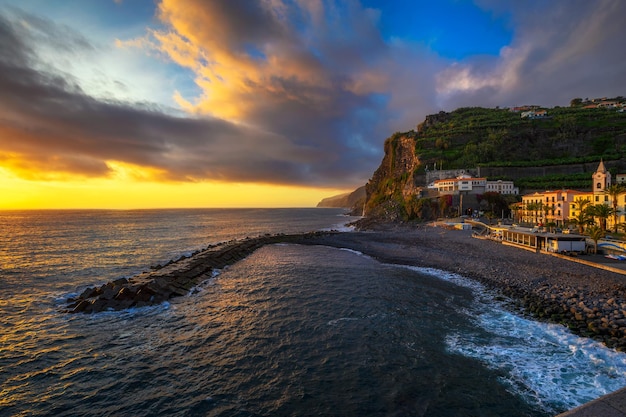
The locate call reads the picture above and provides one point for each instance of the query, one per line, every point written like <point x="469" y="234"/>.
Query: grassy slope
<point x="468" y="137"/>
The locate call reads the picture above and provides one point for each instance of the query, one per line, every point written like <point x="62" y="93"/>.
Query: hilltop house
<point x="534" y="114"/>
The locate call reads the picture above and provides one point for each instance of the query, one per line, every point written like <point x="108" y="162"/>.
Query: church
<point x="559" y="206"/>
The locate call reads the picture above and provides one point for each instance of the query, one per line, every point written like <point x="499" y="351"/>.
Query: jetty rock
<point x="175" y="279"/>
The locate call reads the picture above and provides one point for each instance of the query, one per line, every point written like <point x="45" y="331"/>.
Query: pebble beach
<point x="587" y="299"/>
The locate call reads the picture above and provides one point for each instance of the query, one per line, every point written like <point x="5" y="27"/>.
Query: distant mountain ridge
<point x="346" y="200"/>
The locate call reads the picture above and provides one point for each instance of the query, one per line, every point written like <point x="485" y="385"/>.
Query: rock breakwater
<point x="177" y="278"/>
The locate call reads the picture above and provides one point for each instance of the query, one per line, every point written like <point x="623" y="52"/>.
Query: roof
<point x="460" y="179"/>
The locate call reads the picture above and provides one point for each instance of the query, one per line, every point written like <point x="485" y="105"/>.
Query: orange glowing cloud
<point x="241" y="59"/>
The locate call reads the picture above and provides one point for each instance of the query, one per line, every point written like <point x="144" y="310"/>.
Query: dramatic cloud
<point x="561" y="50"/>
<point x="289" y="92"/>
<point x="50" y="126"/>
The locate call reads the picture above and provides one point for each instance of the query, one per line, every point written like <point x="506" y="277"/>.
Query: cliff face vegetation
<point x="559" y="149"/>
<point x="396" y="182"/>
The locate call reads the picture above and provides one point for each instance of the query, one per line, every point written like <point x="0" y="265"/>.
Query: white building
<point x="471" y="185"/>
<point x="502" y="187"/>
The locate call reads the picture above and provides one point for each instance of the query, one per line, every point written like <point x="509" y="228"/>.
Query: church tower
<point x="601" y="179"/>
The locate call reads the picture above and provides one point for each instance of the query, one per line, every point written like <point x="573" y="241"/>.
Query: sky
<point x="266" y="103"/>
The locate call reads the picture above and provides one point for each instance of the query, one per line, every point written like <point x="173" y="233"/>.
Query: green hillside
<point x="553" y="148"/>
<point x="474" y="136"/>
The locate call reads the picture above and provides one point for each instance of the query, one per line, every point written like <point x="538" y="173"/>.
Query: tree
<point x="595" y="233"/>
<point x="601" y="212"/>
<point x="582" y="218"/>
<point x="517" y="212"/>
<point x="445" y="202"/>
<point x="422" y="209"/>
<point x="575" y="102"/>
<point x="613" y="191"/>
<point x="547" y="210"/>
<point x="496" y="202"/>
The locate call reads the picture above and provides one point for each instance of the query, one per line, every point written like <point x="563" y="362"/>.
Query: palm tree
<point x="583" y="218"/>
<point x="535" y="207"/>
<point x="596" y="233"/>
<point x="539" y="209"/>
<point x="490" y="215"/>
<point x="532" y="207"/>
<point x="547" y="210"/>
<point x="601" y="212"/>
<point x="613" y="191"/>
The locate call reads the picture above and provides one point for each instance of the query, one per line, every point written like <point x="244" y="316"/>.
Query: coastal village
<point x="560" y="221"/>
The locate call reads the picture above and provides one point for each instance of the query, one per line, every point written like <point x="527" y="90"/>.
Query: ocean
<point x="289" y="331"/>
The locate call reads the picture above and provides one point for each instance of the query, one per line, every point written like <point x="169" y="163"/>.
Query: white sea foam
<point x="457" y="279"/>
<point x="356" y="252"/>
<point x="340" y="227"/>
<point x="336" y="321"/>
<point x="544" y="363"/>
<point x="206" y="283"/>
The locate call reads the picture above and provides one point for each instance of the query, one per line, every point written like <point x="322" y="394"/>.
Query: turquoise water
<point x="291" y="330"/>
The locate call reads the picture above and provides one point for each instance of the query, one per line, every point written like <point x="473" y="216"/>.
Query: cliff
<point x="353" y="200"/>
<point x="397" y="182"/>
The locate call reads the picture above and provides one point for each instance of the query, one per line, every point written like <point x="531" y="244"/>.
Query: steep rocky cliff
<point x="396" y="182"/>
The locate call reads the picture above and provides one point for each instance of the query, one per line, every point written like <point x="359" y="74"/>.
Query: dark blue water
<point x="291" y="330"/>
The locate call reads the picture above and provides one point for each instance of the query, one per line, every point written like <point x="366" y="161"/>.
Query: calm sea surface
<point x="289" y="331"/>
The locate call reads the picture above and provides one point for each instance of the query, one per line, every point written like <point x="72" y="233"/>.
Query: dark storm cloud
<point x="52" y="125"/>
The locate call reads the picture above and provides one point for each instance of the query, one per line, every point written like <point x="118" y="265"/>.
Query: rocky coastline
<point x="588" y="300"/>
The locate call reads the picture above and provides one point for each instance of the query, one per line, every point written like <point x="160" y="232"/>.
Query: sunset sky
<point x="266" y="103"/>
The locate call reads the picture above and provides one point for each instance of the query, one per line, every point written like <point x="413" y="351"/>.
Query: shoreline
<point x="589" y="300"/>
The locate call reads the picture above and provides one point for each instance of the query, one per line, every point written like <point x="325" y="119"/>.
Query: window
<point x="599" y="185"/>
<point x="606" y="198"/>
<point x="597" y="198"/>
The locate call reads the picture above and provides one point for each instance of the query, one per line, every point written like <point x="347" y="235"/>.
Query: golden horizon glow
<point x="125" y="193"/>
